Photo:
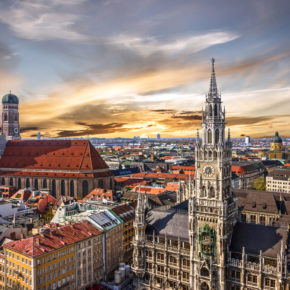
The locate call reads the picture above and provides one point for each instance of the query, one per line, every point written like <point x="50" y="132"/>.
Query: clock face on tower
<point x="208" y="171"/>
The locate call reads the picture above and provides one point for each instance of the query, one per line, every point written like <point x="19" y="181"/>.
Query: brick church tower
<point x="10" y="117"/>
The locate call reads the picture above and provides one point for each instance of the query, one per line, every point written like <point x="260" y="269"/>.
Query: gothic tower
<point x="10" y="117"/>
<point x="212" y="206"/>
<point x="138" y="266"/>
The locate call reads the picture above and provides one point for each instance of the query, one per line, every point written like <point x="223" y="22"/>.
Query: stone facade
<point x="202" y="242"/>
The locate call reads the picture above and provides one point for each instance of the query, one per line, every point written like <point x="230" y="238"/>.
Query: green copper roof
<point x="10" y="99"/>
<point x="277" y="138"/>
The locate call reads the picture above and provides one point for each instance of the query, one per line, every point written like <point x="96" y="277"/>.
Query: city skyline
<point x="83" y="68"/>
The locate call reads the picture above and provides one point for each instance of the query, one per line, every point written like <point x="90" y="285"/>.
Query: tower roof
<point x="213" y="92"/>
<point x="10" y="99"/>
<point x="277" y="138"/>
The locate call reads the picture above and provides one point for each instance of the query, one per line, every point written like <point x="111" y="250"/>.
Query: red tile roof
<point x="55" y="238"/>
<point x="154" y="175"/>
<point x="99" y="193"/>
<point x="53" y="155"/>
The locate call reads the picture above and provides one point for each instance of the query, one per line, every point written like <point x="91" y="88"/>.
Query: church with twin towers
<point x="203" y="242"/>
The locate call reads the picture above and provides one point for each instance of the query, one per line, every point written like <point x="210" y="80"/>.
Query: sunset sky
<point x="122" y="68"/>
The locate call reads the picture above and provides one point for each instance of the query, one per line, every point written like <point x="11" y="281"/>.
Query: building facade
<point x="202" y="242"/>
<point x="278" y="180"/>
<point x="65" y="167"/>
<point x="10" y="117"/>
<point x="54" y="258"/>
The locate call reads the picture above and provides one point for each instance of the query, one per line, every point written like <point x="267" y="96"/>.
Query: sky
<point x="124" y="68"/>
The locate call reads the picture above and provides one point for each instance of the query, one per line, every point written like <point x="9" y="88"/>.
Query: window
<point x="252" y="279"/>
<point x="173" y="260"/>
<point x="209" y="136"/>
<point x="253" y="219"/>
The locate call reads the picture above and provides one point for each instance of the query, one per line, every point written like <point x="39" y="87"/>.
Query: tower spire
<point x="213" y="92"/>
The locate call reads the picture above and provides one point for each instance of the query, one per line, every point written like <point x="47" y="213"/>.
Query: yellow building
<point x="127" y="214"/>
<point x="48" y="261"/>
<point x="276" y="144"/>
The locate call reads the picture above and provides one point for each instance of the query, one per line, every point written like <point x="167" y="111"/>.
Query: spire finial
<point x="212" y="63"/>
<point x="213" y="92"/>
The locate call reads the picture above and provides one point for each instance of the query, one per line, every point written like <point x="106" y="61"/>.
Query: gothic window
<point x="85" y="187"/>
<point x="11" y="181"/>
<point x="204" y="272"/>
<point x="186" y="263"/>
<point x="215" y="110"/>
<point x="5" y="117"/>
<point x="217" y="136"/>
<point x="205" y="155"/>
<point x="209" y="136"/>
<point x="252" y="279"/>
<point x="44" y="183"/>
<point x="19" y="183"/>
<point x="72" y="189"/>
<point x="15" y="118"/>
<point x="173" y="260"/>
<point x="3" y="181"/>
<point x="62" y="188"/>
<point x="214" y="155"/>
<point x="210" y="110"/>
<point x="209" y="155"/>
<point x="203" y="191"/>
<point x="204" y="286"/>
<point x="211" y="193"/>
<point x="27" y="183"/>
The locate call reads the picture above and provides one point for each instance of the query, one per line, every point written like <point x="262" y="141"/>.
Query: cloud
<point x="188" y="45"/>
<point x="94" y="129"/>
<point x="42" y="20"/>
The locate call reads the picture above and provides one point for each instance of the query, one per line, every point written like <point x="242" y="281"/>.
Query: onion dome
<point x="277" y="138"/>
<point x="10" y="99"/>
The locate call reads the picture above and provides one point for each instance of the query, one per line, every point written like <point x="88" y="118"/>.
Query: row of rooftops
<point x="53" y="238"/>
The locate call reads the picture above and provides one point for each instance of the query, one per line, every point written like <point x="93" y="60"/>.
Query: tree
<point x="259" y="183"/>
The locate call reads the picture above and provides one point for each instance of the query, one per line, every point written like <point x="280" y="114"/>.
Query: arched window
<point x="72" y="188"/>
<point x="209" y="154"/>
<point x="3" y="181"/>
<point x="62" y="188"/>
<point x="85" y="187"/>
<point x="209" y="110"/>
<point x="217" y="136"/>
<point x="19" y="183"/>
<point x="215" y="110"/>
<point x="204" y="272"/>
<point x="15" y="118"/>
<point x="204" y="155"/>
<point x="203" y="192"/>
<point x="11" y="181"/>
<point x="209" y="136"/>
<point x="101" y="183"/>
<point x="5" y="117"/>
<point x="214" y="155"/>
<point x="27" y="183"/>
<point x="211" y="193"/>
<point x="36" y="183"/>
<point x="53" y="187"/>
<point x="204" y="286"/>
<point x="44" y="183"/>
